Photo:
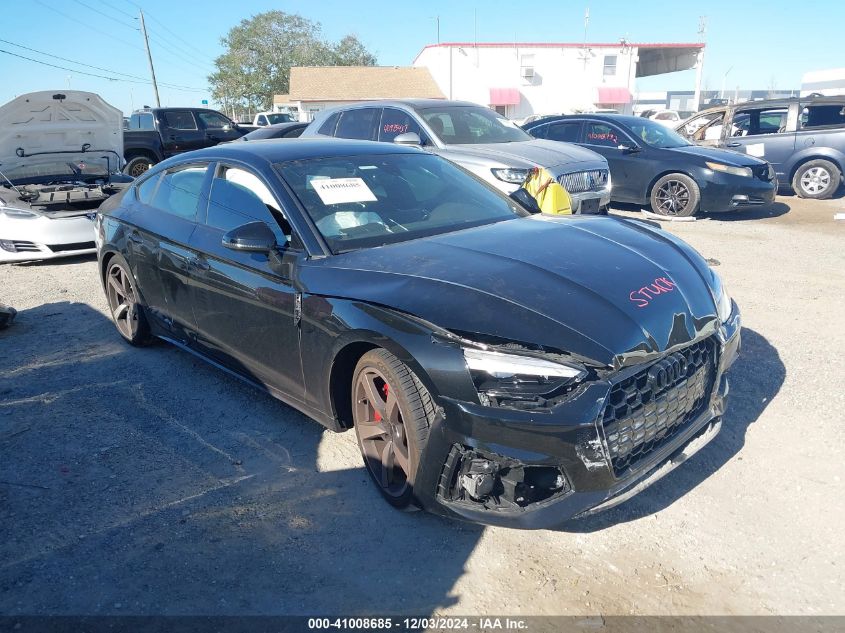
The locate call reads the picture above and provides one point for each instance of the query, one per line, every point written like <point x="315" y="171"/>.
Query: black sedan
<point x="497" y="366"/>
<point x="653" y="165"/>
<point x="288" y="129"/>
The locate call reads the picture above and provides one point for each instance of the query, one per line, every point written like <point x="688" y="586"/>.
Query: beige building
<point x="316" y="88"/>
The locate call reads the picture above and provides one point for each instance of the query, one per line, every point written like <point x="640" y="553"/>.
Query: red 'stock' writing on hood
<point x="643" y="296"/>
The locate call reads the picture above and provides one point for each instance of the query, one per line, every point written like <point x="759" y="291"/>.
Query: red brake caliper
<point x="385" y="390"/>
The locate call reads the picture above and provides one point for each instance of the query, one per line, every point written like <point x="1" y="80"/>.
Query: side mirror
<point x="525" y="200"/>
<point x="408" y="138"/>
<point x="255" y="237"/>
<point x="628" y="149"/>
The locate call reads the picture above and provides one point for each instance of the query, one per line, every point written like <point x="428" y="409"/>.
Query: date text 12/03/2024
<point x="419" y="624"/>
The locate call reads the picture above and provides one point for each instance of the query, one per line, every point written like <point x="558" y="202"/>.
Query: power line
<point x="108" y="70"/>
<point x="165" y="46"/>
<point x="82" y="72"/>
<point x="106" y="15"/>
<point x="118" y="9"/>
<point x="85" y="24"/>
<point x="202" y="54"/>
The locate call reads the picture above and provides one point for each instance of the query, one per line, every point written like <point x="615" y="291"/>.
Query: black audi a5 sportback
<point x="497" y="366"/>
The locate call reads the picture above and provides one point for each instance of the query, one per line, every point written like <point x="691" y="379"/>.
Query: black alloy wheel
<point x="675" y="195"/>
<point x="392" y="411"/>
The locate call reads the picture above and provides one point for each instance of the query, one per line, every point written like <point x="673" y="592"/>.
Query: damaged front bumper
<point x="535" y="470"/>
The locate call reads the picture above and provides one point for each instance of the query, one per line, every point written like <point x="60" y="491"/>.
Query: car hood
<point x="725" y="156"/>
<point x="58" y="121"/>
<point x="572" y="285"/>
<point x="534" y="153"/>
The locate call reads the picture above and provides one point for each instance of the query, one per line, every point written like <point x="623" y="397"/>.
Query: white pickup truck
<point x="270" y="118"/>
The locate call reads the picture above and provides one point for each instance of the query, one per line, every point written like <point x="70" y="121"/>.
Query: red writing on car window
<point x="643" y="296"/>
<point x="603" y="136"/>
<point x="396" y="128"/>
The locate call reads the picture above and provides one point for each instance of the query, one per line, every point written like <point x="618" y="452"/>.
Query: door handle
<point x="733" y="144"/>
<point x="134" y="237"/>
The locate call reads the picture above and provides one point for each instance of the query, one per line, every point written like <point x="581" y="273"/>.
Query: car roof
<point x="623" y="119"/>
<point x="280" y="150"/>
<point x="762" y="103"/>
<point x="417" y="104"/>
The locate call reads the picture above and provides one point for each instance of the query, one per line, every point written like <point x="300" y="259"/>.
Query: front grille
<point x="76" y="246"/>
<point x="25" y="247"/>
<point x="580" y="181"/>
<point x="645" y="410"/>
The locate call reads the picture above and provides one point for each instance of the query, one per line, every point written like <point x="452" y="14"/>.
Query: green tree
<point x="261" y="50"/>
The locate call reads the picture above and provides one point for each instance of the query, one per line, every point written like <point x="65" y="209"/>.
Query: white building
<point x="521" y="79"/>
<point x="825" y="82"/>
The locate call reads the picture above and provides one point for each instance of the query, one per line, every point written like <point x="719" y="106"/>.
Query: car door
<point x="246" y="304"/>
<point x="764" y="132"/>
<point x="626" y="166"/>
<point x="705" y="129"/>
<point x="180" y="132"/>
<point x="395" y="122"/>
<point x="820" y="125"/>
<point x="566" y="131"/>
<point x="164" y="222"/>
<point x="217" y="128"/>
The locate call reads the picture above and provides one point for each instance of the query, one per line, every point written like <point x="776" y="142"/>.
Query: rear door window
<point x="213" y="120"/>
<point x="180" y="120"/>
<point x="359" y="123"/>
<point x="828" y="115"/>
<point x="395" y="122"/>
<point x="179" y="189"/>
<point x="566" y="131"/>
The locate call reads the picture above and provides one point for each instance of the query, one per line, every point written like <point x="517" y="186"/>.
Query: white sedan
<point x="60" y="158"/>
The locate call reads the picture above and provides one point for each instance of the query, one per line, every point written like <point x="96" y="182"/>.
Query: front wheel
<point x="392" y="411"/>
<point x="816" y="179"/>
<point x="126" y="311"/>
<point x="675" y="195"/>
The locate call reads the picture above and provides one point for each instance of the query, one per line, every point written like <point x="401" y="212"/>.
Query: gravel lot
<point x="146" y="482"/>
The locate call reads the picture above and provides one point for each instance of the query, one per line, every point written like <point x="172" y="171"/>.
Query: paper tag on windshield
<point x="340" y="190"/>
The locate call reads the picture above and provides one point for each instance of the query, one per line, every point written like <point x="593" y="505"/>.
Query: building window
<point x="526" y="67"/>
<point x="609" y="65"/>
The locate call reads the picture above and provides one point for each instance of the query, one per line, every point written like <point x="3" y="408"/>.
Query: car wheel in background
<point x="675" y="195"/>
<point x="817" y="179"/>
<point x="127" y="313"/>
<point x="137" y="166"/>
<point x="392" y="411"/>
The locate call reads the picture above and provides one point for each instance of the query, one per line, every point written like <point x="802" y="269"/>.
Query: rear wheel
<point x="392" y="411"/>
<point x="816" y="179"/>
<point x="127" y="313"/>
<point x="137" y="166"/>
<point x="675" y="195"/>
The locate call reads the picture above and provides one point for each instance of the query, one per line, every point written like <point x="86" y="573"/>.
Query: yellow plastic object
<point x="551" y="196"/>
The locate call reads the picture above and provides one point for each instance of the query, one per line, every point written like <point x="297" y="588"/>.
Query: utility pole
<point x="702" y="32"/>
<point x="149" y="57"/>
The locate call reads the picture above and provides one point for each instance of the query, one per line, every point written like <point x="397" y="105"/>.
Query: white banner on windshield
<point x="340" y="190"/>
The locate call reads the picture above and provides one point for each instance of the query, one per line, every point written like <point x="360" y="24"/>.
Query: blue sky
<point x="758" y="44"/>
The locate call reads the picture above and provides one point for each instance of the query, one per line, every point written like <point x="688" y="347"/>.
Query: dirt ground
<point x="143" y="481"/>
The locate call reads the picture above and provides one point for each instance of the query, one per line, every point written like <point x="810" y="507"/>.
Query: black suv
<point x="803" y="139"/>
<point x="154" y="134"/>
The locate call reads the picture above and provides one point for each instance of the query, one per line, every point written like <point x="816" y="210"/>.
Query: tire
<point x="127" y="313"/>
<point x="137" y="166"/>
<point x="675" y="195"/>
<point x="391" y="434"/>
<point x="816" y="179"/>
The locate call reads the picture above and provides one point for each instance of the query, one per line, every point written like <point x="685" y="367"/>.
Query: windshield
<point x="278" y="118"/>
<point x="471" y="125"/>
<point x="366" y="201"/>
<point x="657" y="135"/>
<point x="44" y="169"/>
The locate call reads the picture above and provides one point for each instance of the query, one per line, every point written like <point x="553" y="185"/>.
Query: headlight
<point x="727" y="169"/>
<point x="520" y="381"/>
<point x="723" y="299"/>
<point x="18" y="214"/>
<point x="508" y="174"/>
<point x="609" y="185"/>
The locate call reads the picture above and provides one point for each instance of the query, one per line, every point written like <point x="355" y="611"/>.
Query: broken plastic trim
<point x="487" y="481"/>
